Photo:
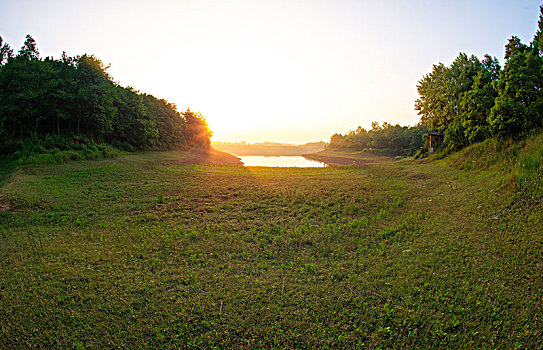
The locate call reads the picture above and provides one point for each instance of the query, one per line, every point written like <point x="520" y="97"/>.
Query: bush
<point x="56" y="149"/>
<point x="124" y="146"/>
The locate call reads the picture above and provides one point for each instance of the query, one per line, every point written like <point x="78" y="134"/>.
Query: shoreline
<point x="345" y="159"/>
<point x="212" y="157"/>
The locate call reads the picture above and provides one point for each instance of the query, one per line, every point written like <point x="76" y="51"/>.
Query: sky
<point x="272" y="70"/>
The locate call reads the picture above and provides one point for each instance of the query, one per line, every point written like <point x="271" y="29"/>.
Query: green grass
<point x="57" y="149"/>
<point x="520" y="163"/>
<point x="142" y="251"/>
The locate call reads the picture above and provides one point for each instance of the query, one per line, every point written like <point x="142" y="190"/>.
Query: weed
<point x="140" y="251"/>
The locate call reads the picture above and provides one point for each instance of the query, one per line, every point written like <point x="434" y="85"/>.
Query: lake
<point x="280" y="161"/>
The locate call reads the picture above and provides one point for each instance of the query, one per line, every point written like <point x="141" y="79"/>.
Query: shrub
<point x="56" y="149"/>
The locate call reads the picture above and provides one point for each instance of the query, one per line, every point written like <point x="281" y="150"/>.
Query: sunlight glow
<point x="285" y="71"/>
<point x="284" y="161"/>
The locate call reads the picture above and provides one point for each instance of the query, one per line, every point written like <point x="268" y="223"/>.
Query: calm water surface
<point x="281" y="161"/>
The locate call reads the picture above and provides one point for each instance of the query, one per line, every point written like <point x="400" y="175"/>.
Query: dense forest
<point x="47" y="105"/>
<point x="469" y="101"/>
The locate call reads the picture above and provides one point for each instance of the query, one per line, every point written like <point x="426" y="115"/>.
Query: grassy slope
<point x="145" y="251"/>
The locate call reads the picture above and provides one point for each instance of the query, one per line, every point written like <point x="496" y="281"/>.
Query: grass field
<point x="144" y="251"/>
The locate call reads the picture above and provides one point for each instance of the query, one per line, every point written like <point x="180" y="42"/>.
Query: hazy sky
<point x="287" y="71"/>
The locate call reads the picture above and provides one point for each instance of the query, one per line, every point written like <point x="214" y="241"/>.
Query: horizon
<point x="274" y="71"/>
<point x="268" y="142"/>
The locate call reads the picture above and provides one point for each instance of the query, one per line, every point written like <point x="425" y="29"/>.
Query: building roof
<point x="435" y="133"/>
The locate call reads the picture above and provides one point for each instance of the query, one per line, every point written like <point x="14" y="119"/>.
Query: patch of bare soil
<point x="4" y="204"/>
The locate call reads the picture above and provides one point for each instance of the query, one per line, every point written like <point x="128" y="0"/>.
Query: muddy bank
<point x="212" y="157"/>
<point x="344" y="159"/>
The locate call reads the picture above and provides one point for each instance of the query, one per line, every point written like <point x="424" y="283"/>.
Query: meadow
<point x="145" y="250"/>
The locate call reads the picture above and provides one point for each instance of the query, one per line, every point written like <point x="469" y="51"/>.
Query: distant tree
<point x="391" y="139"/>
<point x="29" y="49"/>
<point x="336" y="141"/>
<point x="197" y="131"/>
<point x="5" y="52"/>
<point x="70" y="61"/>
<point x="538" y="38"/>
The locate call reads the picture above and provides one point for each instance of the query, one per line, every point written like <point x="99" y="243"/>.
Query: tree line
<point x="468" y="101"/>
<point x="386" y="139"/>
<point x="472" y="100"/>
<point x="76" y="97"/>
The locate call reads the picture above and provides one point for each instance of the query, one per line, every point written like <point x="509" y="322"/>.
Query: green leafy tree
<point x="471" y="100"/>
<point x="29" y="49"/>
<point x="434" y="101"/>
<point x="21" y="93"/>
<point x="95" y="97"/>
<point x="5" y="52"/>
<point x="170" y="123"/>
<point x="440" y="91"/>
<point x="456" y="100"/>
<point x="538" y="38"/>
<point x="392" y="139"/>
<point x="59" y="103"/>
<point x="518" y="108"/>
<point x="132" y="123"/>
<point x="476" y="103"/>
<point x="77" y="95"/>
<point x="196" y="130"/>
<point x="462" y="74"/>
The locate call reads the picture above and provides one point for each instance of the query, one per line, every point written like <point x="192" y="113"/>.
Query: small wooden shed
<point x="436" y="139"/>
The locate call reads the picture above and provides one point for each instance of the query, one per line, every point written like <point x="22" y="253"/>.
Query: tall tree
<point x="132" y="123"/>
<point x="170" y="123"/>
<point x="477" y="102"/>
<point x="5" y="52"/>
<point x="76" y="94"/>
<point x="29" y="50"/>
<point x="198" y="133"/>
<point x="440" y="91"/>
<point x="96" y="111"/>
<point x="518" y="108"/>
<point x="538" y="38"/>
